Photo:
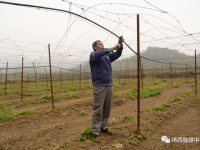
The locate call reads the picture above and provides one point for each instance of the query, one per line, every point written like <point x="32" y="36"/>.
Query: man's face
<point x="99" y="46"/>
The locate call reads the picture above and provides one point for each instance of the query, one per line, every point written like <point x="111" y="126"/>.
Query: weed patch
<point x="86" y="134"/>
<point x="82" y="113"/>
<point x="176" y="99"/>
<point x="129" y="116"/>
<point x="5" y="113"/>
<point x="26" y="112"/>
<point x="158" y="107"/>
<point x="188" y="92"/>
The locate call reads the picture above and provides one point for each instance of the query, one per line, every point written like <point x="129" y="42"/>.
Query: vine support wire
<point x="50" y="76"/>
<point x="138" y="73"/>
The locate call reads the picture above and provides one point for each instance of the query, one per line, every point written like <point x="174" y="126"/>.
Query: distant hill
<point x="154" y="53"/>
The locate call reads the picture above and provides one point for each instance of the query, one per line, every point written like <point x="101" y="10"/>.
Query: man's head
<point x="97" y="45"/>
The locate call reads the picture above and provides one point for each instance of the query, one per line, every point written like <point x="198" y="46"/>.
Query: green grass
<point x="82" y="113"/>
<point x="72" y="88"/>
<point x="70" y="95"/>
<point x="129" y="116"/>
<point x="142" y="135"/>
<point x="86" y="134"/>
<point x="165" y="115"/>
<point x="176" y="99"/>
<point x="132" y="97"/>
<point x="48" y="96"/>
<point x="5" y="112"/>
<point x="26" y="112"/>
<point x="175" y="109"/>
<point x="150" y="91"/>
<point x="118" y="127"/>
<point x="64" y="145"/>
<point x="156" y="82"/>
<point x="158" y="107"/>
<point x="188" y="92"/>
<point x="55" y="148"/>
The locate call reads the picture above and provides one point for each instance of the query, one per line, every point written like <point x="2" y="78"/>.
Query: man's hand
<point x="117" y="46"/>
<point x="121" y="40"/>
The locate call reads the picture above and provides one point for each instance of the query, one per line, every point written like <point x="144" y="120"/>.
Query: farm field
<point x="32" y="124"/>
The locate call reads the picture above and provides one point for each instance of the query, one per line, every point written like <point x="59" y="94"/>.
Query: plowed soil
<point x="48" y="129"/>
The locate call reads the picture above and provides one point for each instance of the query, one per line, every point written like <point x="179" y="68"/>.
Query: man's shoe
<point x="96" y="138"/>
<point x="106" y="131"/>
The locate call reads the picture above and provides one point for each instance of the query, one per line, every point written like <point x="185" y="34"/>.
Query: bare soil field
<point x="56" y="130"/>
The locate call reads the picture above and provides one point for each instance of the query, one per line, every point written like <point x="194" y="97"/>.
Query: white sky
<point x="25" y="32"/>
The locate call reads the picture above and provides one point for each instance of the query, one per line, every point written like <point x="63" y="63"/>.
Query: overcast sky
<point x="25" y="32"/>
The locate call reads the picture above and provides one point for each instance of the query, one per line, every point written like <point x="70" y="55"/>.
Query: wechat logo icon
<point x="165" y="139"/>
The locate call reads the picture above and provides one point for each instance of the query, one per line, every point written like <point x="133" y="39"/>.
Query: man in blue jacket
<point x="101" y="71"/>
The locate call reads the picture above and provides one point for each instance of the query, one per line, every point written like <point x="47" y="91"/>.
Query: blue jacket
<point x="100" y="64"/>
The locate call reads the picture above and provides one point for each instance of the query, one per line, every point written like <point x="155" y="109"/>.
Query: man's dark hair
<point x="95" y="44"/>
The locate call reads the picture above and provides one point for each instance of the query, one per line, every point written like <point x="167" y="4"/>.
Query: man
<point x="101" y="71"/>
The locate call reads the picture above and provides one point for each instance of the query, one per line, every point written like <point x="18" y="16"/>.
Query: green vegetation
<point x="150" y="91"/>
<point x="142" y="136"/>
<point x="118" y="127"/>
<point x="188" y="92"/>
<point x="82" y="113"/>
<point x="48" y="96"/>
<point x="64" y="145"/>
<point x="72" y="88"/>
<point x="176" y="99"/>
<point x="87" y="87"/>
<point x="115" y="142"/>
<point x="132" y="97"/>
<point x="175" y="109"/>
<point x="86" y="134"/>
<point x="156" y="82"/>
<point x="72" y="95"/>
<point x="26" y="112"/>
<point x="165" y="115"/>
<point x="158" y="107"/>
<point x="129" y="116"/>
<point x="55" y="148"/>
<point x="5" y="113"/>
